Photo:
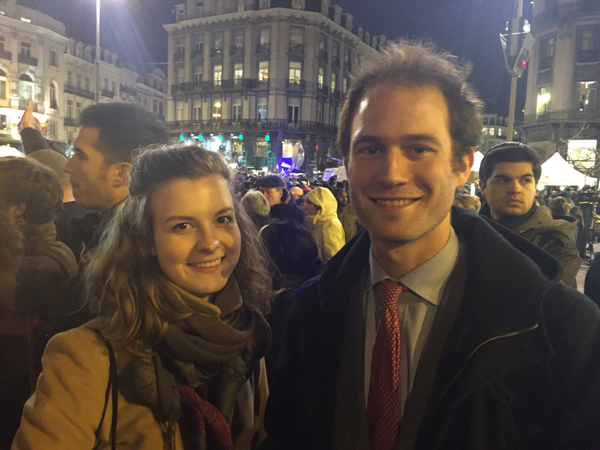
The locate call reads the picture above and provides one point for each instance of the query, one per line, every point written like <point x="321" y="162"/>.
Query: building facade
<point x="564" y="71"/>
<point x="40" y="63"/>
<point x="494" y="132"/>
<point x="260" y="80"/>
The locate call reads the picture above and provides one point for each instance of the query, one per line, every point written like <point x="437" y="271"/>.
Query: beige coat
<point x="66" y="407"/>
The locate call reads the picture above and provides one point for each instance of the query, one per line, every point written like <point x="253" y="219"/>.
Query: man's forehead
<point x="513" y="169"/>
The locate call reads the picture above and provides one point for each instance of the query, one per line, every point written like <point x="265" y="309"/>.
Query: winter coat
<point x="511" y="361"/>
<point x="349" y="221"/>
<point x="326" y="227"/>
<point x="70" y="396"/>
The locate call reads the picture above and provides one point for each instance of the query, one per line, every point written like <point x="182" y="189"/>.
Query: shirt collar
<point x="429" y="279"/>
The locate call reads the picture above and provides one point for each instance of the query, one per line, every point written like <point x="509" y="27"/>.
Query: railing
<point x="348" y="67"/>
<point x="251" y="124"/>
<point x="263" y="48"/>
<point x="70" y="89"/>
<point x="107" y="93"/>
<point x="177" y="57"/>
<point x="335" y="62"/>
<point x="128" y="90"/>
<point x="26" y="59"/>
<point x="295" y="84"/>
<point x="216" y="52"/>
<point x="70" y="122"/>
<point x="236" y="50"/>
<point x="5" y="55"/>
<point x="262" y="84"/>
<point x="547" y="62"/>
<point x="587" y="56"/>
<point x="335" y="93"/>
<point x="323" y="55"/>
<point x="296" y="49"/>
<point x="197" y="53"/>
<point x="572" y="10"/>
<point x="322" y="89"/>
<point x="565" y="115"/>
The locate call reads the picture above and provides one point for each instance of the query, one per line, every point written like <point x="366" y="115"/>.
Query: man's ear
<point x="482" y="187"/>
<point x="16" y="211"/>
<point x="464" y="170"/>
<point x="121" y="174"/>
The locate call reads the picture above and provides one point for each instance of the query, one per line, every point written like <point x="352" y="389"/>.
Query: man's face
<point x="510" y="190"/>
<point x="400" y="168"/>
<point x="272" y="194"/>
<point x="342" y="198"/>
<point x="309" y="208"/>
<point x="92" y="186"/>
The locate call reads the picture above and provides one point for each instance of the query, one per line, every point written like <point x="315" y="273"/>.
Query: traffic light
<point x="521" y="61"/>
<point x="267" y="137"/>
<point x="181" y="138"/>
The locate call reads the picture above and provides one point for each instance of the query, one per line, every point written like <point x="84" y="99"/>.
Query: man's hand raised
<point x="29" y="120"/>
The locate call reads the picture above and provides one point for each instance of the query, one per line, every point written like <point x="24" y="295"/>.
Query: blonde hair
<point x="124" y="282"/>
<point x="468" y="201"/>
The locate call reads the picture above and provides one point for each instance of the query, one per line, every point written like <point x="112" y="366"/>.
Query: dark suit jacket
<point x="511" y="361"/>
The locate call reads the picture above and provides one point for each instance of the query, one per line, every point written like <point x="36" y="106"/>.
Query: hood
<point x="325" y="199"/>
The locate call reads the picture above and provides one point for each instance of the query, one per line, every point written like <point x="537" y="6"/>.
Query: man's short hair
<point x="407" y="63"/>
<point x="124" y="127"/>
<point x="271" y="181"/>
<point x="26" y="181"/>
<point x="509" y="152"/>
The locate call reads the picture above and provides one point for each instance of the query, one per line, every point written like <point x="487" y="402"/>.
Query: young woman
<point x="178" y="281"/>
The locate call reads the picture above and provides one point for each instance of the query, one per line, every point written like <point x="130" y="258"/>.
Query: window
<point x="335" y="50"/>
<point x="296" y="40"/>
<point x="180" y="75"/>
<point x="200" y="8"/>
<point x="25" y="49"/>
<point x="263" y="4"/>
<point x="238" y="39"/>
<point x="197" y="110"/>
<point x="77" y="110"/>
<point x="180" y="46"/>
<point x="333" y="81"/>
<point x="51" y="129"/>
<point x="265" y="36"/>
<point x="345" y="85"/>
<point x="346" y="55"/>
<point x="238" y="71"/>
<point x="216" y="108"/>
<point x="589" y="45"/>
<point x="69" y="109"/>
<point x="586" y="95"/>
<point x="53" y="58"/>
<point x="3" y="122"/>
<point x="493" y="121"/>
<point x="69" y="78"/>
<point x="218" y="74"/>
<point x="199" y="43"/>
<point x="1" y="43"/>
<point x="261" y="113"/>
<point x="322" y="42"/>
<point x="240" y="5"/>
<point x="218" y="41"/>
<point x="295" y="72"/>
<point x="263" y="71"/>
<point x="485" y="131"/>
<point x="332" y="115"/>
<point x="499" y="131"/>
<point x="543" y="100"/>
<point x="26" y="85"/>
<point x="113" y="87"/>
<point x="53" y="102"/>
<point x="236" y="110"/>
<point x="2" y="84"/>
<point x="547" y="49"/>
<point x="293" y="110"/>
<point x="198" y="75"/>
<point x="298" y="4"/>
<point x="87" y="83"/>
<point x="180" y="15"/>
<point x="321" y="77"/>
<point x="179" y="110"/>
<point x="320" y="112"/>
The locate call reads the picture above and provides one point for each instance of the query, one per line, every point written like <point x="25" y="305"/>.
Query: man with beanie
<point x="509" y="174"/>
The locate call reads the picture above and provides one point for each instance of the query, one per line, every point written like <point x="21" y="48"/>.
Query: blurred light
<point x="241" y="137"/>
<point x="526" y="25"/>
<point x="267" y="137"/>
<point x="540" y="187"/>
<point x="265" y="169"/>
<point x="220" y="137"/>
<point x="23" y="19"/>
<point x="181" y="137"/>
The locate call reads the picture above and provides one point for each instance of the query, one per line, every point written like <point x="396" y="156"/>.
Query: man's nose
<point x="395" y="167"/>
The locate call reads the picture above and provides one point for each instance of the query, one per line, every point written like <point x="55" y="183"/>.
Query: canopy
<point x="558" y="172"/>
<point x="477" y="161"/>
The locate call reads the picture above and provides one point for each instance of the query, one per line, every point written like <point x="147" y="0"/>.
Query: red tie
<point x="383" y="412"/>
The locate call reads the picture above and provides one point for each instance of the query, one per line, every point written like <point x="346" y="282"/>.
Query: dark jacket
<point x="554" y="236"/>
<point x="517" y="366"/>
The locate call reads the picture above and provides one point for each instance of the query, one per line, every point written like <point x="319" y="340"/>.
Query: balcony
<point x="565" y="115"/>
<point x="29" y="60"/>
<point x="5" y="55"/>
<point x="69" y="122"/>
<point x="128" y="90"/>
<point x="323" y="90"/>
<point x="215" y="52"/>
<point x="179" y="57"/>
<point x="336" y="94"/>
<point x="236" y="50"/>
<point x="563" y="12"/>
<point x="197" y="54"/>
<point x="295" y="84"/>
<point x="107" y="93"/>
<point x="335" y="62"/>
<point x="588" y="56"/>
<point x="347" y="67"/>
<point x="263" y="48"/>
<point x="547" y="63"/>
<point x="69" y="89"/>
<point x="200" y="86"/>
<point x="263" y="84"/>
<point x="267" y="125"/>
<point x="296" y="49"/>
<point x="323" y="55"/>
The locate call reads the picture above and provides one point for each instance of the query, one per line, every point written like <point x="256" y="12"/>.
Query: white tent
<point x="477" y="161"/>
<point x="558" y="172"/>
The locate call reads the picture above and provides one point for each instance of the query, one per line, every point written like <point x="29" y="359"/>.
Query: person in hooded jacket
<point x="320" y="206"/>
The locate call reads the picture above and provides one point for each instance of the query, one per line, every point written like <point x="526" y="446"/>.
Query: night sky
<point x="467" y="28"/>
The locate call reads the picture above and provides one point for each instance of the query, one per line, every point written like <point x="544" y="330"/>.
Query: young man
<point x="434" y="328"/>
<point x="509" y="174"/>
<point x="280" y="200"/>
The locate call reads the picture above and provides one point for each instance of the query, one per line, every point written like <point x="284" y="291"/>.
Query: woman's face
<point x="196" y="237"/>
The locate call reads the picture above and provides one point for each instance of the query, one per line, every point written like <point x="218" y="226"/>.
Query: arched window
<point x="26" y="87"/>
<point x="53" y="101"/>
<point x="2" y="84"/>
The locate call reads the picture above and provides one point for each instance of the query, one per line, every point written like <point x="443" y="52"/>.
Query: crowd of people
<point x="150" y="298"/>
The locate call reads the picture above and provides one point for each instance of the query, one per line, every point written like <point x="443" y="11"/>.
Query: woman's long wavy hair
<point x="123" y="280"/>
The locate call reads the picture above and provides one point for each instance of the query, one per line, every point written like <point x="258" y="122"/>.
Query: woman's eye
<point x="181" y="226"/>
<point x="223" y="220"/>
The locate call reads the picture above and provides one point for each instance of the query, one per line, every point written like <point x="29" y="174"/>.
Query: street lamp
<point x="97" y="51"/>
